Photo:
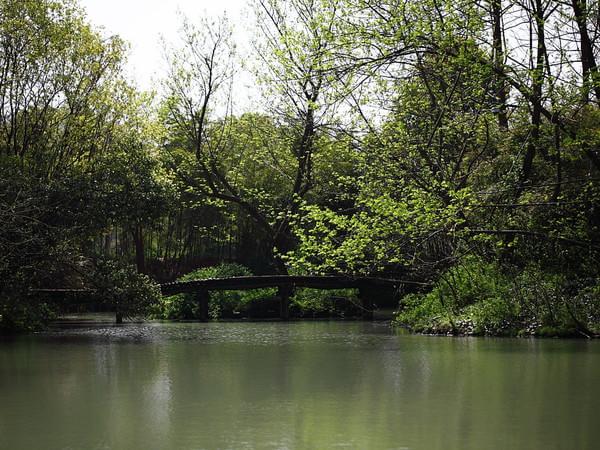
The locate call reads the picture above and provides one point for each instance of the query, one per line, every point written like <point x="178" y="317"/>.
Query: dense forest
<point x="453" y="143"/>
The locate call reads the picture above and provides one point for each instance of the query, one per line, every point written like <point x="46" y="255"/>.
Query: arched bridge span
<point x="373" y="292"/>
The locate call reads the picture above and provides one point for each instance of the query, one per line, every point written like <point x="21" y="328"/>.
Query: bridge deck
<point x="266" y="281"/>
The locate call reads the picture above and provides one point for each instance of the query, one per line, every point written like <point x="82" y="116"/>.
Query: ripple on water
<point x="251" y="333"/>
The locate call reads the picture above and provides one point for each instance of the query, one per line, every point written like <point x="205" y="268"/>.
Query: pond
<point x="299" y="385"/>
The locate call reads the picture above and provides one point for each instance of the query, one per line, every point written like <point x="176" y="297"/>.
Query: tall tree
<point x="296" y="59"/>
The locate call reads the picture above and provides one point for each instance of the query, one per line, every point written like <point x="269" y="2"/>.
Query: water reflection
<point x="298" y="385"/>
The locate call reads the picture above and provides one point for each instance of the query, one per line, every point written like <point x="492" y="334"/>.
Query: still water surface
<point x="304" y="385"/>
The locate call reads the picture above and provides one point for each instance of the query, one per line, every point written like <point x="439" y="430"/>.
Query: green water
<point x="307" y="385"/>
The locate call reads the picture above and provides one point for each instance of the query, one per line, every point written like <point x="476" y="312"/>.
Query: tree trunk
<point x="536" y="96"/>
<point x="140" y="257"/>
<point x="501" y="87"/>
<point x="589" y="69"/>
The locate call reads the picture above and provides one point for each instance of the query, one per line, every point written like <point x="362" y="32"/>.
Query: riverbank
<point x="385" y="317"/>
<point x="438" y="325"/>
<point x="467" y="328"/>
<point x="486" y="299"/>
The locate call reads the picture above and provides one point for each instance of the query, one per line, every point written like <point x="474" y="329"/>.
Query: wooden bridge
<point x="372" y="292"/>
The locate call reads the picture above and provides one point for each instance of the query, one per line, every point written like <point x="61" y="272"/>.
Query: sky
<point x="142" y="23"/>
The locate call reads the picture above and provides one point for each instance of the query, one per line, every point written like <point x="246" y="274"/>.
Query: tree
<point x="446" y="68"/>
<point x="58" y="75"/>
<point x="296" y="36"/>
<point x="132" y="187"/>
<point x="63" y="109"/>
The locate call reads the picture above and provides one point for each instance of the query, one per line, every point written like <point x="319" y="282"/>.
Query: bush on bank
<point x="132" y="294"/>
<point x="20" y="311"/>
<point x="480" y="298"/>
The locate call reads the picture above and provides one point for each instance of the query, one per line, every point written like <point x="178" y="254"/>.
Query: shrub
<point x="132" y="294"/>
<point x="424" y="314"/>
<point x="21" y="311"/>
<point x="319" y="302"/>
<point x="477" y="297"/>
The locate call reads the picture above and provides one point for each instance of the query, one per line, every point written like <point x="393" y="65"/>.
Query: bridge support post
<point x="203" y="297"/>
<point x="284" y="293"/>
<point x="367" y="304"/>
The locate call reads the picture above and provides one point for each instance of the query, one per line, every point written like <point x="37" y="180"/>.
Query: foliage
<point x="43" y="227"/>
<point x="384" y="233"/>
<point x="131" y="294"/>
<point x="58" y="85"/>
<point x="222" y="158"/>
<point x="480" y="298"/>
<point x="319" y="303"/>
<point x="20" y="311"/>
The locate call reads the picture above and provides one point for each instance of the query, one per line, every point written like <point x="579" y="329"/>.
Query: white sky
<point x="142" y="22"/>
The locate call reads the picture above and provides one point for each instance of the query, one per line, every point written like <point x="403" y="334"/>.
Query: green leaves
<point x="132" y="294"/>
<point x="57" y="86"/>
